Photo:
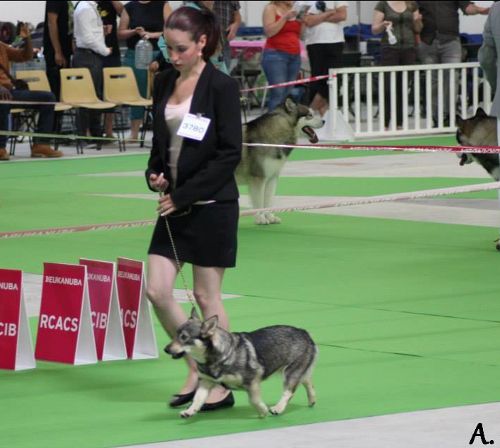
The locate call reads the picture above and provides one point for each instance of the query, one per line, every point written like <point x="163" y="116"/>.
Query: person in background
<point x="8" y="92"/>
<point x="324" y="39"/>
<point x="195" y="179"/>
<point x="404" y="21"/>
<point x="141" y="19"/>
<point x="57" y="41"/>
<point x="281" y="54"/>
<point x="110" y="11"/>
<point x="90" y="52"/>
<point x="440" y="41"/>
<point x="228" y="13"/>
<point x="159" y="63"/>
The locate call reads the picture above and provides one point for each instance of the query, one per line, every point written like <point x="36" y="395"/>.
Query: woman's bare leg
<point x="160" y="291"/>
<point x="208" y="294"/>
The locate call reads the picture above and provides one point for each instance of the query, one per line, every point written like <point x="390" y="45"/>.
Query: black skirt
<point x="204" y="236"/>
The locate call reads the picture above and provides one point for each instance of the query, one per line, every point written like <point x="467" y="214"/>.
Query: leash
<point x="189" y="293"/>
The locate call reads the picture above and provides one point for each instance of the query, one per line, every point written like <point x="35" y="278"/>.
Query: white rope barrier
<point x="378" y="199"/>
<point x="251" y="212"/>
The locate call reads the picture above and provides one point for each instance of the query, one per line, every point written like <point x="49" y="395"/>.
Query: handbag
<point x="17" y="84"/>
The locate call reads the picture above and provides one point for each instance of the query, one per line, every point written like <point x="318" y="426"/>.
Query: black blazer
<point x="205" y="169"/>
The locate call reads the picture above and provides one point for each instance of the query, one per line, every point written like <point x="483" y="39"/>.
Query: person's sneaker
<point x="40" y="150"/>
<point x="4" y="155"/>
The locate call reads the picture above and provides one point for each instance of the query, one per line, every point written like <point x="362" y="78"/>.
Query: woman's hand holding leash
<point x="160" y="184"/>
<point x="166" y="206"/>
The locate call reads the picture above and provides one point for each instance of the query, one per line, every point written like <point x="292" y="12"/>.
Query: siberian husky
<point x="479" y="130"/>
<point x="260" y="167"/>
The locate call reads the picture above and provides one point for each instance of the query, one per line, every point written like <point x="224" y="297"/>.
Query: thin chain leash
<point x="189" y="293"/>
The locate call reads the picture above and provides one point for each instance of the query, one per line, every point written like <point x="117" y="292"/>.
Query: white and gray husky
<point x="261" y="166"/>
<point x="244" y="360"/>
<point x="479" y="130"/>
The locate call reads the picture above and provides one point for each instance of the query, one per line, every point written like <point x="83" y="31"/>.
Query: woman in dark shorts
<point x="195" y="175"/>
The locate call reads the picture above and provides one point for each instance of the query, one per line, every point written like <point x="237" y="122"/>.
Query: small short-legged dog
<point x="244" y="360"/>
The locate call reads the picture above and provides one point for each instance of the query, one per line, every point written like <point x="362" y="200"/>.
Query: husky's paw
<point x="272" y="219"/>
<point x="465" y="158"/>
<point x="260" y="219"/>
<point x="187" y="413"/>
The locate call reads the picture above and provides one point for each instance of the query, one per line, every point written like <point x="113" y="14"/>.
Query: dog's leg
<point x="256" y="399"/>
<point x="279" y="407"/>
<point x="256" y="187"/>
<point x="199" y="399"/>
<point x="311" y="393"/>
<point x="270" y="191"/>
<point x="294" y="374"/>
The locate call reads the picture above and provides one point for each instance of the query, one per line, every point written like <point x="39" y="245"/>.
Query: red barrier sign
<point x="16" y="348"/>
<point x="64" y="328"/>
<point x="140" y="339"/>
<point x="104" y="310"/>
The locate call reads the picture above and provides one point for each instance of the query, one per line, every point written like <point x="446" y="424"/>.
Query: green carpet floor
<point x="406" y="314"/>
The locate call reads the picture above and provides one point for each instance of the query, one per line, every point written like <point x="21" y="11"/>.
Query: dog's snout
<point x="174" y="351"/>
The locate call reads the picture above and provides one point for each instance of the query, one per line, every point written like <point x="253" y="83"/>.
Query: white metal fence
<point x="359" y="94"/>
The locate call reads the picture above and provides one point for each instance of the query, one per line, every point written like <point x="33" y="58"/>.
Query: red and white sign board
<point x="104" y="310"/>
<point x="140" y="338"/>
<point x="16" y="348"/>
<point x="65" y="328"/>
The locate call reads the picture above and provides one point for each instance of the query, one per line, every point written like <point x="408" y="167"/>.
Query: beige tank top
<point x="174" y="114"/>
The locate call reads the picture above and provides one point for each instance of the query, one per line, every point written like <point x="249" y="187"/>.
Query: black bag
<point x="20" y="84"/>
<point x="17" y="84"/>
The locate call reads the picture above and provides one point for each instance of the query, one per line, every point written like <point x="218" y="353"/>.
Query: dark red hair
<point x="197" y="22"/>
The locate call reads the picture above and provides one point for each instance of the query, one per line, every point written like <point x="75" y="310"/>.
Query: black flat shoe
<point x="180" y="399"/>
<point x="226" y="402"/>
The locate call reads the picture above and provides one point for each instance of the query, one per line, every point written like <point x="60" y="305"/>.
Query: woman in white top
<point x="324" y="39"/>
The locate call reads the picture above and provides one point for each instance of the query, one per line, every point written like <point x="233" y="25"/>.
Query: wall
<point x="33" y="11"/>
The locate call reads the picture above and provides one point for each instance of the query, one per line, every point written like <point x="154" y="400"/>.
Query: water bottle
<point x="143" y="54"/>
<point x="392" y="38"/>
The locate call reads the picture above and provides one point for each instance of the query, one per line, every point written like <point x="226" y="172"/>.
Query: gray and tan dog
<point x="244" y="360"/>
<point x="479" y="130"/>
<point x="260" y="166"/>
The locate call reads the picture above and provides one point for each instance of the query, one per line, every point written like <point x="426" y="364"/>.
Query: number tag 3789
<point x="194" y="127"/>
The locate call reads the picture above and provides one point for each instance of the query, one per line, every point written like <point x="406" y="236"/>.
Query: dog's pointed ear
<point x="209" y="326"/>
<point x="480" y="113"/>
<point x="194" y="314"/>
<point x="290" y="104"/>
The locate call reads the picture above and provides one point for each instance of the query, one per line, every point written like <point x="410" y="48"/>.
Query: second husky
<point x="479" y="130"/>
<point x="244" y="360"/>
<point x="261" y="166"/>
